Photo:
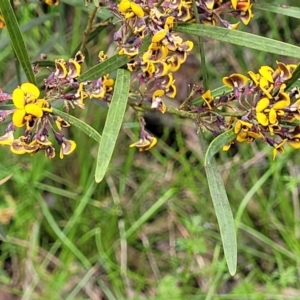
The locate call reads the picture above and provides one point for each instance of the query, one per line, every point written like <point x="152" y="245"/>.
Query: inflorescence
<point x="261" y="105"/>
<point x="265" y="109"/>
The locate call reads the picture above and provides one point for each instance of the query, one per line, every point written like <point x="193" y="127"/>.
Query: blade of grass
<point x="83" y="282"/>
<point x="113" y="123"/>
<point x="275" y="246"/>
<point x="72" y="221"/>
<point x="222" y="209"/>
<point x="138" y="223"/>
<point x="81" y="125"/>
<point x="241" y="38"/>
<point x="250" y="195"/>
<point x="17" y="40"/>
<point x="64" y="239"/>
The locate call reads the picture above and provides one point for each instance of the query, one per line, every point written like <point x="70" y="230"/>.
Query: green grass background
<point x="148" y="231"/>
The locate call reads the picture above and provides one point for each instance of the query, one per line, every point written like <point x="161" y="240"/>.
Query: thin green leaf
<point x="224" y="215"/>
<point x="241" y="38"/>
<point x="113" y="123"/>
<point x="16" y="37"/>
<point x="81" y="125"/>
<point x="2" y="233"/>
<point x="59" y="233"/>
<point x="216" y="145"/>
<point x="269" y="243"/>
<point x="220" y="91"/>
<point x="222" y="210"/>
<point x="44" y="63"/>
<point x="111" y="64"/>
<point x="282" y="9"/>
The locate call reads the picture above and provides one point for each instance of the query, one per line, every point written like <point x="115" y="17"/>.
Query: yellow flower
<point x="278" y="147"/>
<point x="242" y="126"/>
<point x="157" y="101"/>
<point x="145" y="143"/>
<point x="132" y="51"/>
<point x="25" y="94"/>
<point x="235" y="81"/>
<point x="208" y="98"/>
<point x="50" y="151"/>
<point x="61" y="123"/>
<point x="60" y="69"/>
<point x="7" y="138"/>
<point x="174" y="63"/>
<point x="169" y="23"/>
<point x="282" y="101"/>
<point x="66" y="146"/>
<point x="74" y="68"/>
<point x="266" y="72"/>
<point x="130" y="9"/>
<point x="261" y="111"/>
<point x="17" y="147"/>
<point x="209" y="4"/>
<point x="246" y="13"/>
<point x="28" y="106"/>
<point x="159" y="36"/>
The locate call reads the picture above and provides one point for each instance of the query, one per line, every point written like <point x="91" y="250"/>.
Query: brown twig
<point x="89" y="28"/>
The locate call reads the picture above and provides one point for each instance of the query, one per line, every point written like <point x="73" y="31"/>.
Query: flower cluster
<point x="266" y="110"/>
<point x="153" y="76"/>
<point x="146" y="141"/>
<point x="36" y="116"/>
<point x="65" y="78"/>
<point x="211" y="11"/>
<point x="167" y="50"/>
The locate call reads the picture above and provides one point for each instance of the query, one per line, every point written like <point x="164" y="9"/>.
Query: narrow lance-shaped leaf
<point x="216" y="145"/>
<point x="222" y="209"/>
<point x="113" y="123"/>
<point x="287" y="10"/>
<point x="241" y="38"/>
<point x="111" y="64"/>
<point x="17" y="40"/>
<point x="81" y="125"/>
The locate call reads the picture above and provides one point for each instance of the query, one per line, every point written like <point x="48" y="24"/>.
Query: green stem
<point x="181" y="113"/>
<point x="201" y="50"/>
<point x="88" y="29"/>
